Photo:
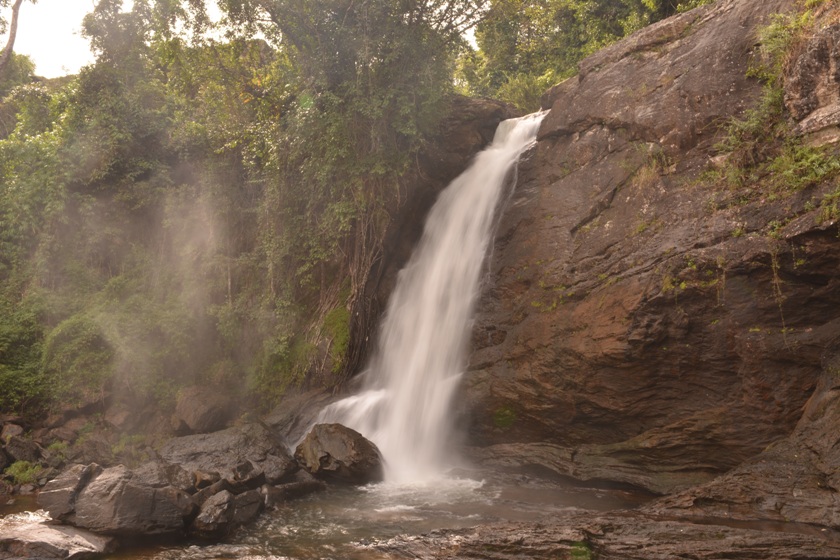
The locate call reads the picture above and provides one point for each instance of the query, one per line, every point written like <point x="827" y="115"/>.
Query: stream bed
<point x="338" y="523"/>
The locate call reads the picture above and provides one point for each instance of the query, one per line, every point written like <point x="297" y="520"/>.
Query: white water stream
<point x="405" y="407"/>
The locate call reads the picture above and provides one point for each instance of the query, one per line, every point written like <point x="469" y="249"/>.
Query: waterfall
<point x="421" y="352"/>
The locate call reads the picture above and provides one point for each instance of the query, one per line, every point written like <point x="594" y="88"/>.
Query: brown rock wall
<point x="640" y="324"/>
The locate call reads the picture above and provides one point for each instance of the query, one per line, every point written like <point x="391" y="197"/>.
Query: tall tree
<point x="6" y="53"/>
<point x="372" y="82"/>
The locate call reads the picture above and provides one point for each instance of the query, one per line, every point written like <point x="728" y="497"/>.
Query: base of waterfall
<point x="262" y="510"/>
<point x="485" y="514"/>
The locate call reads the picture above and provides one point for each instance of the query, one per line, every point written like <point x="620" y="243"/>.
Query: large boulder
<point x="159" y="474"/>
<point x="338" y="453"/>
<point x="113" y="503"/>
<point x="20" y="448"/>
<point x="222" y="452"/>
<point x="215" y="516"/>
<point x="58" y="496"/>
<point x="201" y="410"/>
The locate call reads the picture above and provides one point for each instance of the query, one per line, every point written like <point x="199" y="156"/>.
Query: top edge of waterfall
<point x="529" y="122"/>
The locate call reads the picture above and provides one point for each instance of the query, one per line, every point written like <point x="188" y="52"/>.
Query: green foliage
<point x="77" y="359"/>
<point x="687" y="5"/>
<point x="337" y="327"/>
<point x="283" y="363"/>
<point x="799" y="166"/>
<point x="776" y="41"/>
<point x="22" y="382"/>
<point x="581" y="551"/>
<point x="504" y="417"/>
<point x="758" y="145"/>
<point x="58" y="449"/>
<point x="29" y="201"/>
<point x="177" y="211"/>
<point x="23" y="472"/>
<point x="116" y="137"/>
<point x="130" y="449"/>
<point x="830" y="206"/>
<point x="525" y="45"/>
<point x="19" y="71"/>
<point x="749" y="139"/>
<point x="526" y="90"/>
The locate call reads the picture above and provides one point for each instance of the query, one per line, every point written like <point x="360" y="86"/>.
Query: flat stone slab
<point x="619" y="536"/>
<point x="223" y="451"/>
<point x="29" y="535"/>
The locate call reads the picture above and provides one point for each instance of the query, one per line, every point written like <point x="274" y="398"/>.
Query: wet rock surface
<point x="175" y="495"/>
<point x="795" y="480"/>
<point x="30" y="536"/>
<point x="338" y="453"/>
<point x="617" y="537"/>
<point x="113" y="503"/>
<point x="221" y="452"/>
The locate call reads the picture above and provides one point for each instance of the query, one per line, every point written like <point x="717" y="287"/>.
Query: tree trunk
<point x="6" y="53"/>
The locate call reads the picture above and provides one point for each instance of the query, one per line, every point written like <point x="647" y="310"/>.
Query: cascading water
<point x="419" y="360"/>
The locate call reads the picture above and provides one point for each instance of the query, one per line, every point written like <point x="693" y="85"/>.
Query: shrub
<point x="77" y="358"/>
<point x="23" y="472"/>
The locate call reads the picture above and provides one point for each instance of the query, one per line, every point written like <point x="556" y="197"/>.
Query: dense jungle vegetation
<point x="203" y="204"/>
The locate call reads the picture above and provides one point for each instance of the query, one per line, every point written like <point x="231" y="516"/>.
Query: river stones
<point x="204" y="485"/>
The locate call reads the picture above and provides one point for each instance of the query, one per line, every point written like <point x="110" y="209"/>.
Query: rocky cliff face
<point x="645" y="325"/>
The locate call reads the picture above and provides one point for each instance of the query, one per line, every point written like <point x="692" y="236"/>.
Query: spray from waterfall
<point x="405" y="407"/>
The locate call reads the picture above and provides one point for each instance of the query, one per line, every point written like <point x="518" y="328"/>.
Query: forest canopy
<point x="204" y="203"/>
